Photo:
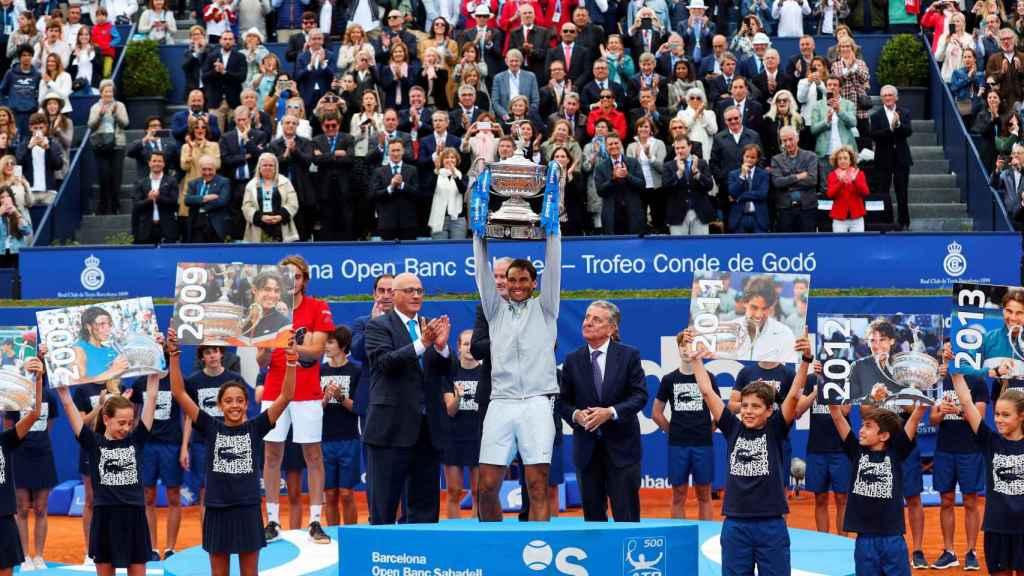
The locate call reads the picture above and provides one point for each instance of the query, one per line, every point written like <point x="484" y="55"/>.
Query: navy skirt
<point x="462" y="454"/>
<point x="10" y="544"/>
<point x="1004" y="552"/>
<point x="119" y="535"/>
<point x="233" y="530"/>
<point x="34" y="470"/>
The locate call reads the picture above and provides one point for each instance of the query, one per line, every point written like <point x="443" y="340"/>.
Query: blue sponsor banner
<point x="910" y="261"/>
<point x="563" y="546"/>
<point x="648" y="324"/>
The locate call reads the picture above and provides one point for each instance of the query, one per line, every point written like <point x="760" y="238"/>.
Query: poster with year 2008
<point x="749" y="315"/>
<point x="986" y="330"/>
<point x="101" y="342"/>
<point x="233" y="304"/>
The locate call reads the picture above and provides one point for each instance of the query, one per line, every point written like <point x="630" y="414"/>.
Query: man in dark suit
<point x="416" y="119"/>
<point x="591" y="93"/>
<point x="378" y="155"/>
<point x="571" y="113"/>
<point x="890" y="127"/>
<point x="590" y="34"/>
<point x="465" y="111"/>
<point x="223" y="73"/>
<point x="156" y="204"/>
<point x="297" y="42"/>
<point x="687" y="181"/>
<point x="720" y="85"/>
<point x="196" y="109"/>
<point x="531" y="40"/>
<point x="754" y="64"/>
<point x="332" y="154"/>
<point x="602" y="390"/>
<point x="314" y="69"/>
<point x="696" y="31"/>
<point x="1009" y="180"/>
<point x="770" y="80"/>
<point x="751" y="111"/>
<point x="393" y="32"/>
<point x="239" y="150"/>
<point x="727" y="152"/>
<point x="407" y="426"/>
<point x="430" y="145"/>
<point x="648" y="78"/>
<point x="580" y="58"/>
<point x="647" y="107"/>
<point x="294" y="157"/>
<point x="140" y="150"/>
<point x="207" y="199"/>
<point x="393" y="187"/>
<point x="800" y="64"/>
<point x="711" y="64"/>
<point x="620" y="182"/>
<point x="490" y="41"/>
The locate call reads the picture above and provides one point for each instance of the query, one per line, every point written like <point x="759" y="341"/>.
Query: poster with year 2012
<point x="233" y="304"/>
<point x="101" y="342"/>
<point x="749" y="315"/>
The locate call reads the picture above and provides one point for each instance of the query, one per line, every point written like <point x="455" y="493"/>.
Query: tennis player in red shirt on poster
<point x="311" y="320"/>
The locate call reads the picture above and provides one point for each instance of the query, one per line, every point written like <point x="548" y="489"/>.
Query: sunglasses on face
<point x="606" y="96"/>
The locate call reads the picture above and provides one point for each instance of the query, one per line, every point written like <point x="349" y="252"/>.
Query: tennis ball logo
<point x="537" y="555"/>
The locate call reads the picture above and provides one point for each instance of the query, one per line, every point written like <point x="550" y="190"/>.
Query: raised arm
<point x="551" y="284"/>
<point x="963" y="392"/>
<point x="23" y="426"/>
<point x="188" y="407"/>
<point x="74" y="416"/>
<point x="149" y="406"/>
<point x="789" y="404"/>
<point x="842" y="425"/>
<point x="915" y="418"/>
<point x="490" y="300"/>
<point x="288" y="388"/>
<point x="713" y="400"/>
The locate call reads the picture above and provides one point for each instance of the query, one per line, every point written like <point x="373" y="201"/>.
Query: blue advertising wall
<point x="838" y="261"/>
<point x="648" y="324"/>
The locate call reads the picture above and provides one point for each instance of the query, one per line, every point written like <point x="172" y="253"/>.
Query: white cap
<point x="482" y="10"/>
<point x="697" y="4"/>
<point x="761" y="38"/>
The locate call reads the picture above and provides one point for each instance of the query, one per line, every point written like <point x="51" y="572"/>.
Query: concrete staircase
<point x="96" y="229"/>
<point x="934" y="195"/>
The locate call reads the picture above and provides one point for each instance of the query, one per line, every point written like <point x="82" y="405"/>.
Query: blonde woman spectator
<point x="650" y="152"/>
<point x="196" y="146"/>
<point x="296" y="107"/>
<point x="270" y="204"/>
<point x="433" y="78"/>
<point x="84" y="62"/>
<point x="364" y="127"/>
<point x="854" y="75"/>
<point x="952" y="44"/>
<point x="8" y="131"/>
<point x="55" y="81"/>
<point x="9" y="177"/>
<point x="447" y="218"/>
<point x="847" y="188"/>
<point x="354" y="40"/>
<point x="158" y="23"/>
<point x="109" y="117"/>
<point x="561" y="137"/>
<point x="254" y="52"/>
<point x="620" y="63"/>
<point x="843" y="32"/>
<point x="811" y="89"/>
<point x="701" y="123"/>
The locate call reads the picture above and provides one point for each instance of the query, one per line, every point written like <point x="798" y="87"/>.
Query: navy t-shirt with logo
<point x="37" y="442"/>
<point x="166" y="417"/>
<point x="875" y="502"/>
<point x="780" y="377"/>
<point x="115" y="466"/>
<point x="233" y="459"/>
<point x="339" y="422"/>
<point x="9" y="442"/>
<point x="955" y="433"/>
<point x="203" y="389"/>
<point x="691" y="420"/>
<point x="1004" y="497"/>
<point x="822" y="438"/>
<point x="466" y="422"/>
<point x="753" y="484"/>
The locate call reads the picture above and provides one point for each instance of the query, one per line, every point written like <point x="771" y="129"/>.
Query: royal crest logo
<point x="955" y="264"/>
<point x="92" y="276"/>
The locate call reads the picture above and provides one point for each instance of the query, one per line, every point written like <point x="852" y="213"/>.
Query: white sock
<point x="273" y="512"/>
<point x="314" y="513"/>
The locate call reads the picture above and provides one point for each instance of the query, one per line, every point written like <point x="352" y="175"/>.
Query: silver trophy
<point x="517" y="178"/>
<point x="914" y="372"/>
<point x="143" y="353"/>
<point x="17" y="389"/>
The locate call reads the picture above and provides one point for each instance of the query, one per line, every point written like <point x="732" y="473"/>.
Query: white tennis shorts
<point x="307" y="418"/>
<point x="524" y="425"/>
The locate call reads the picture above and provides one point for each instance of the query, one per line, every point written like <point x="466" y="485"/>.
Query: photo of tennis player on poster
<point x="879" y="358"/>
<point x="749" y="315"/>
<point x="99" y="342"/>
<point x="233" y="304"/>
<point x="17" y="385"/>
<point x="987" y="331"/>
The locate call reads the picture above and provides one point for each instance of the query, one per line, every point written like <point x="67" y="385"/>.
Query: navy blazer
<point x="179" y="126"/>
<point x="891" y="148"/>
<point x="53" y="159"/>
<point x="425" y="160"/>
<point x="166" y="205"/>
<point x="682" y="194"/>
<point x="232" y="156"/>
<point x="226" y="86"/>
<point x="216" y="211"/>
<point x="396" y="379"/>
<point x="425" y="122"/>
<point x="756" y="192"/>
<point x="624" y="389"/>
<point x="141" y="152"/>
<point x="357" y="352"/>
<point x="395" y="210"/>
<point x="313" y="84"/>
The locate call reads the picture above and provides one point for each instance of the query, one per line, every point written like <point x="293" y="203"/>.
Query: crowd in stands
<point x="666" y="117"/>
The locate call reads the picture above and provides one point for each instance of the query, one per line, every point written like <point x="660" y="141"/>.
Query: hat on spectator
<point x="696" y="4"/>
<point x="254" y="31"/>
<point x="482" y="10"/>
<point x="52" y="95"/>
<point x="761" y="38"/>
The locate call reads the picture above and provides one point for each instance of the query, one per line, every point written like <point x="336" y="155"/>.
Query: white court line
<point x="92" y="569"/>
<point x="311" y="558"/>
<point x="712" y="550"/>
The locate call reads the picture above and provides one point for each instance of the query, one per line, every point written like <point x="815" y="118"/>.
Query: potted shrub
<point x="904" y="64"/>
<point x="145" y="82"/>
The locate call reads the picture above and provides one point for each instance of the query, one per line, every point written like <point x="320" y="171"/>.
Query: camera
<point x="830" y="95"/>
<point x="646" y="23"/>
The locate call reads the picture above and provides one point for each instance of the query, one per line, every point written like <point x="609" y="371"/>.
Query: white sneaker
<point x="40" y="564"/>
<point x="27" y="566"/>
<point x="88" y="561"/>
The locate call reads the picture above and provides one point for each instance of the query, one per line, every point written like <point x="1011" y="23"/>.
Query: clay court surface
<point x="65" y="543"/>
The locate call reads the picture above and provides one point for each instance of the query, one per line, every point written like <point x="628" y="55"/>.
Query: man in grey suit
<point x="514" y="82"/>
<point x="1010" y="181"/>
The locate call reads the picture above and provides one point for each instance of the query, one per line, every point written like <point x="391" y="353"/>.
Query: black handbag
<point x="864" y="102"/>
<point x="102" y="141"/>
